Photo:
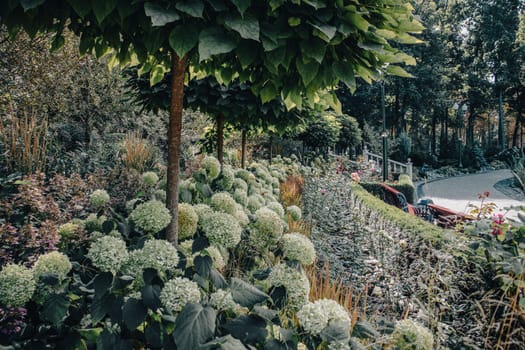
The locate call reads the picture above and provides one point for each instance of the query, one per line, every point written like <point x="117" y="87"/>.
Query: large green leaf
<point x="358" y="21"/>
<point x="247" y="52"/>
<point x="308" y="71"/>
<point x="81" y="7"/>
<point x="160" y="16"/>
<point x="324" y="31"/>
<point x="182" y="39"/>
<point x="344" y="72"/>
<point x="398" y="71"/>
<point x="102" y="8"/>
<point x="213" y="41"/>
<point x="246" y="294"/>
<point x="313" y="48"/>
<point x="242" y="5"/>
<point x="248" y="328"/>
<point x="151" y="296"/>
<point x="30" y="4"/>
<point x="55" y="308"/>
<point x="336" y="332"/>
<point x="247" y="27"/>
<point x="102" y="282"/>
<point x="134" y="313"/>
<point x="203" y="265"/>
<point x="195" y="326"/>
<point x="268" y="92"/>
<point x="194" y="8"/>
<point x="226" y="343"/>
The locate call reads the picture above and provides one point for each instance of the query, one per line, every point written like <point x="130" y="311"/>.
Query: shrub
<point x="225" y="180"/>
<point x="315" y="317"/>
<point x="222" y="229"/>
<point x="299" y="248"/>
<point x="53" y="262"/>
<point x="294" y="281"/>
<point x="295" y="212"/>
<point x="17" y="285"/>
<point x="223" y="202"/>
<point x="178" y="292"/>
<point x="409" y="334"/>
<point x="99" y="198"/>
<point x="151" y="217"/>
<point x="188" y="220"/>
<point x="108" y="253"/>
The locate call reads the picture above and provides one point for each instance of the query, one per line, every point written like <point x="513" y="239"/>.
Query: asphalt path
<point x="458" y="192"/>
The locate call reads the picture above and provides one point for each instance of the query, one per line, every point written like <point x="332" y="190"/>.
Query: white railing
<point x="393" y="166"/>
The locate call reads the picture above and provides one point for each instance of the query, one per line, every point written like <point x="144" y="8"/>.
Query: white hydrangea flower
<point x="17" y="285"/>
<point x="108" y="253"/>
<point x="203" y="211"/>
<point x="239" y="183"/>
<point x="276" y="207"/>
<point x="223" y="202"/>
<point x="151" y="217"/>
<point x="53" y="262"/>
<point x="223" y="300"/>
<point x="240" y="196"/>
<point x="409" y="334"/>
<point x="212" y="167"/>
<point x="295" y="212"/>
<point x="99" y="198"/>
<point x="216" y="257"/>
<point x="254" y="202"/>
<point x="150" y="178"/>
<point x="222" y="229"/>
<point x="241" y="216"/>
<point x="178" y="292"/>
<point x="68" y="229"/>
<point x="269" y="223"/>
<point x="160" y="254"/>
<point x="188" y="220"/>
<point x="298" y="247"/>
<point x="316" y="316"/>
<point x="134" y="265"/>
<point x="226" y="178"/>
<point x="294" y="281"/>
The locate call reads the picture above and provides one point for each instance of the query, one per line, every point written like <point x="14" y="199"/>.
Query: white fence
<point x="393" y="166"/>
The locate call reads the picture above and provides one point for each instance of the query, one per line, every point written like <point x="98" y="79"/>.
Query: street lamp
<point x="460" y="113"/>
<point x="384" y="134"/>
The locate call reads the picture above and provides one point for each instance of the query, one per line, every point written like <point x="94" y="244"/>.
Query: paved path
<point x="457" y="192"/>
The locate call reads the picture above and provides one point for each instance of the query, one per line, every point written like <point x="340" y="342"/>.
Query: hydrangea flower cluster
<point x="295" y="212"/>
<point x="269" y="223"/>
<point x="239" y="183"/>
<point x="159" y="254"/>
<point x="94" y="222"/>
<point x="255" y="202"/>
<point x="188" y="219"/>
<point x="223" y="300"/>
<point x="203" y="211"/>
<point x="222" y="229"/>
<point x="150" y="178"/>
<point x="178" y="292"/>
<point x="151" y="217"/>
<point x="240" y="196"/>
<point x="216" y="257"/>
<point x="276" y="207"/>
<point x="242" y="217"/>
<point x="409" y="334"/>
<point x="294" y="281"/>
<point x="298" y="247"/>
<point x="17" y="285"/>
<point x="53" y="262"/>
<point x="99" y="198"/>
<point x="108" y="253"/>
<point x="316" y="316"/>
<point x="212" y="167"/>
<point x="68" y="230"/>
<point x="223" y="202"/>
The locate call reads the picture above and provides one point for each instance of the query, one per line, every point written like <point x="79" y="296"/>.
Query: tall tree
<point x="285" y="48"/>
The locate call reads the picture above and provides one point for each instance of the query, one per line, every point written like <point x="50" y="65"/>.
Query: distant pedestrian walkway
<point x="457" y="192"/>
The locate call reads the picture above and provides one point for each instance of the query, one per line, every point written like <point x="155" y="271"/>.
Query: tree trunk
<point x="243" y="148"/>
<point x="433" y="134"/>
<point x="220" y="138"/>
<point x="174" y="138"/>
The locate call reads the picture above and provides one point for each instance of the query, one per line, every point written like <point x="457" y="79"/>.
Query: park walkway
<point x="457" y="192"/>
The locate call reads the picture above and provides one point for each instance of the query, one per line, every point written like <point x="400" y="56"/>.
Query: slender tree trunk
<point x="243" y="148"/>
<point x="220" y="138"/>
<point x="433" y="134"/>
<point x="174" y="138"/>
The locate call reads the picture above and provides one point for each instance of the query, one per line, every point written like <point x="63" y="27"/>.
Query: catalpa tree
<point x="286" y="48"/>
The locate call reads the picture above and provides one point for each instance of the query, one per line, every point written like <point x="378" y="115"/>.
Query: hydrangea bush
<point x="408" y="334"/>
<point x="151" y="217"/>
<point x="178" y="292"/>
<point x="17" y="285"/>
<point x="53" y="262"/>
<point x="294" y="281"/>
<point x="99" y="198"/>
<point x="298" y="247"/>
<point x="222" y="229"/>
<point x="108" y="253"/>
<point x="188" y="220"/>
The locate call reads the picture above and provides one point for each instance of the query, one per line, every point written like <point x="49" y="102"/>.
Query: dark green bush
<point x="405" y="187"/>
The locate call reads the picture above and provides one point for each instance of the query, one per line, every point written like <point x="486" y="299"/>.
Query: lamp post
<point x="460" y="113"/>
<point x="384" y="133"/>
